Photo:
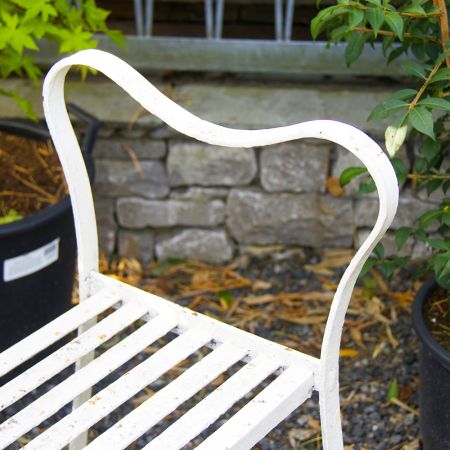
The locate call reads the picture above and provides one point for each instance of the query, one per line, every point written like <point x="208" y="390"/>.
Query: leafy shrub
<point x="418" y="29"/>
<point x="25" y="23"/>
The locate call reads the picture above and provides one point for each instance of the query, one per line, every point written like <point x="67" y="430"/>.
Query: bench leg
<point x="330" y="418"/>
<point x="81" y="441"/>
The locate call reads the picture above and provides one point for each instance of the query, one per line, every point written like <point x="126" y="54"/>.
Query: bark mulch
<point x="285" y="296"/>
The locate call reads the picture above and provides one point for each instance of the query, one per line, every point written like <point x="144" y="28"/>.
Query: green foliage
<point x="11" y="216"/>
<point x="351" y="172"/>
<point x="393" y="390"/>
<point x="421" y="112"/>
<point x="24" y="23"/>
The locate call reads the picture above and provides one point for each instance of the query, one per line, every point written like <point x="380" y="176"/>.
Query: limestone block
<point x="165" y="132"/>
<point x="147" y="178"/>
<point x="207" y="165"/>
<point x="409" y="209"/>
<point x="199" y="193"/>
<point x="211" y="246"/>
<point x="295" y="167"/>
<point x="305" y="219"/>
<point x="126" y="149"/>
<point x="140" y="213"/>
<point x="268" y="105"/>
<point x="106" y="224"/>
<point x="136" y="244"/>
<point x="421" y="250"/>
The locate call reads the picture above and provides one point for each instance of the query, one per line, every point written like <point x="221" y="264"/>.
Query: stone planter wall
<point x="159" y="194"/>
<point x="162" y="195"/>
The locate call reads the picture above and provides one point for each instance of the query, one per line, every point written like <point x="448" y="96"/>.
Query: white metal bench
<point x="294" y="374"/>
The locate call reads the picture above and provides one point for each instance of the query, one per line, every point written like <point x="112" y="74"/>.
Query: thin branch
<point x="391" y="33"/>
<point x="414" y="176"/>
<point x="443" y="25"/>
<point x="403" y="14"/>
<point x="424" y="86"/>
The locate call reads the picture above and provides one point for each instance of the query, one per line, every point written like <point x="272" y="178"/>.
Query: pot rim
<point x="439" y="352"/>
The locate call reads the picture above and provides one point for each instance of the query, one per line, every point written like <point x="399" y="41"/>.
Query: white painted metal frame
<point x="297" y="374"/>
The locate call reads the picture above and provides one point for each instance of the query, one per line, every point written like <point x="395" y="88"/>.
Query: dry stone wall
<point x="160" y="194"/>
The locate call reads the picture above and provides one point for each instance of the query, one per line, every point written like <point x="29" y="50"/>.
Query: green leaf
<point x="379" y="250"/>
<point x="355" y="17"/>
<point x="226" y="296"/>
<point x="354" y="47"/>
<point x="415" y="69"/>
<point x="387" y="268"/>
<point x="367" y="266"/>
<point x="413" y="9"/>
<point x="387" y="108"/>
<point x="430" y="149"/>
<point x="375" y="16"/>
<point x="395" y="22"/>
<point x="433" y="185"/>
<point x="436" y="103"/>
<point x="401" y="236"/>
<point x="443" y="56"/>
<point x="393" y="390"/>
<point x="438" y="244"/>
<point x="400" y="169"/>
<point x="394" y="138"/>
<point x="338" y="33"/>
<point x="426" y="219"/>
<point x="324" y="16"/>
<point x="350" y="173"/>
<point x="446" y="218"/>
<point x="441" y="267"/>
<point x="441" y="75"/>
<point x="367" y="188"/>
<point x="405" y="94"/>
<point x="117" y="37"/>
<point x="11" y="216"/>
<point x="26" y="106"/>
<point x="422" y="120"/>
<point x="420" y="165"/>
<point x="418" y="50"/>
<point x="396" y="52"/>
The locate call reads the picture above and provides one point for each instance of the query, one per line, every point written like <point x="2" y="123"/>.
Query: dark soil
<point x="437" y="316"/>
<point x="31" y="177"/>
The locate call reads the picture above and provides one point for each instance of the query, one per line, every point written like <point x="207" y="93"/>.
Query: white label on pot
<point x="31" y="262"/>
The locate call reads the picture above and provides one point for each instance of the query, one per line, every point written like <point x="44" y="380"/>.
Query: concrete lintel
<point x="239" y="56"/>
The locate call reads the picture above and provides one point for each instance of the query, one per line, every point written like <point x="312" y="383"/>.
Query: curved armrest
<point x="154" y="101"/>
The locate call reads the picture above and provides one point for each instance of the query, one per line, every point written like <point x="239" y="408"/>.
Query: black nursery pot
<point x="38" y="254"/>
<point x="434" y="372"/>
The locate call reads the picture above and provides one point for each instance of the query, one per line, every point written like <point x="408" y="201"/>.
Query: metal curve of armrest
<point x="183" y="121"/>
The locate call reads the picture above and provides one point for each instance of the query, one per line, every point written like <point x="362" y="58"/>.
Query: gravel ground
<point x="379" y="348"/>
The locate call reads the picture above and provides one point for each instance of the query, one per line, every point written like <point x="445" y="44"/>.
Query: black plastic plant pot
<point x="434" y="383"/>
<point x="38" y="254"/>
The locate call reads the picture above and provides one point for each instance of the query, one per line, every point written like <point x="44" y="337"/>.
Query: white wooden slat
<point x="165" y="401"/>
<point x="198" y="418"/>
<point x="69" y="353"/>
<point x="63" y="432"/>
<point x="55" y="330"/>
<point x="250" y="424"/>
<point x="63" y="393"/>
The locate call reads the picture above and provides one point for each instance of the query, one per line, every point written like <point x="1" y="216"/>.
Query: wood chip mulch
<point x="285" y="296"/>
